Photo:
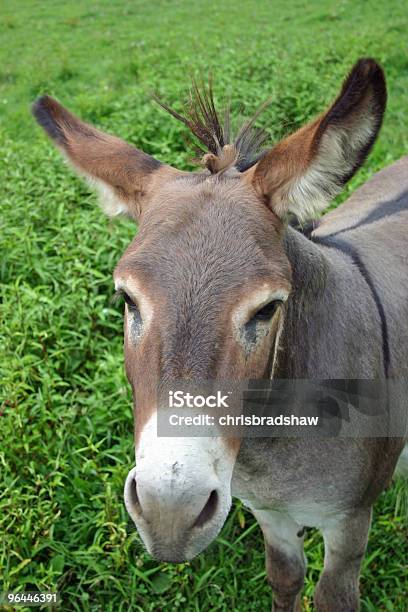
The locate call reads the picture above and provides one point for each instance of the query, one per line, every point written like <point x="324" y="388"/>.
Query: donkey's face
<point x="206" y="280"/>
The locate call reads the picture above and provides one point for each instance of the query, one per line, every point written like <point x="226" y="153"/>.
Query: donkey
<point x="215" y="257"/>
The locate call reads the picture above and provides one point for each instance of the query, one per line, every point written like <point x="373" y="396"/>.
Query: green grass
<point x="66" y="422"/>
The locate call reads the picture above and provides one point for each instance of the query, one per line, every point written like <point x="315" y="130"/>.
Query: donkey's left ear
<point x="124" y="176"/>
<point x="302" y="173"/>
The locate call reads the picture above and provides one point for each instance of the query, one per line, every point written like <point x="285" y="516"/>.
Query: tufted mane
<point x="221" y="149"/>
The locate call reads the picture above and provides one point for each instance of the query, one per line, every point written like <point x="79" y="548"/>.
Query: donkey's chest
<point x="308" y="481"/>
<point x="307" y="506"/>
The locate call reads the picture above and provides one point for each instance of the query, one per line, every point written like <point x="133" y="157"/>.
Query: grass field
<point x="65" y="412"/>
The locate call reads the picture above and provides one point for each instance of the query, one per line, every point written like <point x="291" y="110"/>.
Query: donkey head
<point x="206" y="280"/>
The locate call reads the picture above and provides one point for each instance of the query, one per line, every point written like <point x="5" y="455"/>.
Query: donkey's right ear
<point x="123" y="175"/>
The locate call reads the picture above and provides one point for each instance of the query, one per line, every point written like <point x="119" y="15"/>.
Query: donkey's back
<point x="382" y="201"/>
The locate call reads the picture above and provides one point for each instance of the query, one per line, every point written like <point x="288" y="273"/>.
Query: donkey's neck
<point x="332" y="327"/>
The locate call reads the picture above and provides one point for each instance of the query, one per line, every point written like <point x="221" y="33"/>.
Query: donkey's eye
<point x="135" y="322"/>
<point x="266" y="313"/>
<point x="131" y="305"/>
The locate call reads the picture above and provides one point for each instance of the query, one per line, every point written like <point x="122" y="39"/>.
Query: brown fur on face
<point x="204" y="244"/>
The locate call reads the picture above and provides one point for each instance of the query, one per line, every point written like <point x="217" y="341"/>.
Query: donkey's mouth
<point x="169" y="556"/>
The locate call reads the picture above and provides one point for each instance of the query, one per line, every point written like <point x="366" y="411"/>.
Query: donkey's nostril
<point x="208" y="511"/>
<point x="133" y="497"/>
